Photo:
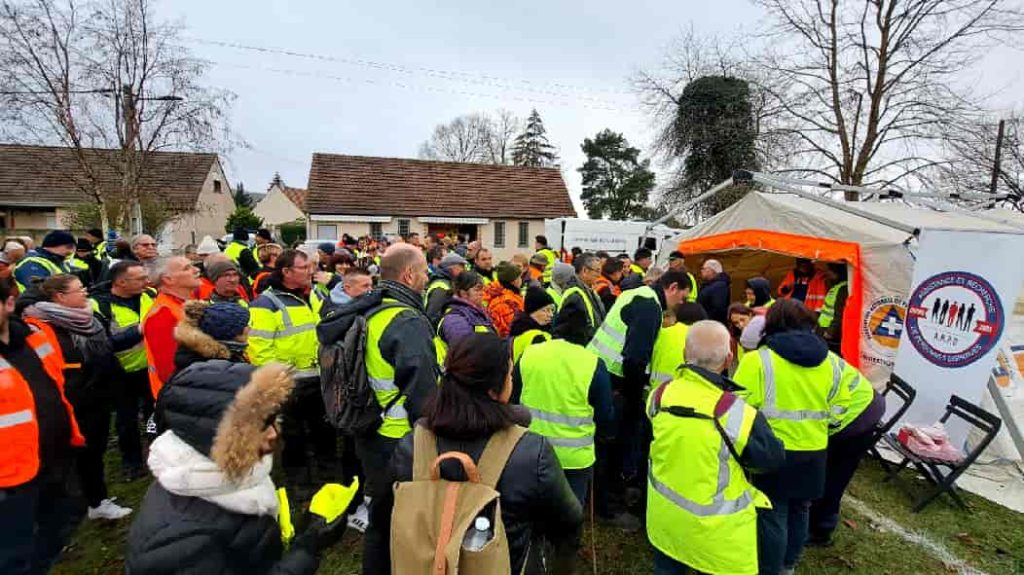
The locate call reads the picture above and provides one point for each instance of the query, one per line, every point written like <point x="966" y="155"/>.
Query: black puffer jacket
<point x="535" y="497"/>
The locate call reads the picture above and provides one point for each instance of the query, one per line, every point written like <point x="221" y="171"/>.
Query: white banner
<point x="959" y="309"/>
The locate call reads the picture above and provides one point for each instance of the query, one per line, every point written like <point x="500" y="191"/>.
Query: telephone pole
<point x="995" y="164"/>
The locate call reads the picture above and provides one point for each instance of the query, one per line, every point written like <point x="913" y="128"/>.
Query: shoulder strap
<point x="496" y="453"/>
<point x="726" y="401"/>
<point x="424" y="451"/>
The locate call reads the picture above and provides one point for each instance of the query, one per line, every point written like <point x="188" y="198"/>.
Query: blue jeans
<point x="579" y="482"/>
<point x="781" y="534"/>
<point x="665" y="565"/>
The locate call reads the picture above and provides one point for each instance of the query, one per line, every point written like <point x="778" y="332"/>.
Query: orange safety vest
<point x="178" y="310"/>
<point x="206" y="287"/>
<point x="602" y="283"/>
<point x="19" y="427"/>
<point x="256" y="282"/>
<point x="816" y="290"/>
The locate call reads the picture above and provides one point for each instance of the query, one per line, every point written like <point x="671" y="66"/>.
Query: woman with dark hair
<point x="796" y="383"/>
<point x="739" y="316"/>
<point x="464" y="313"/>
<point x="759" y="294"/>
<point x="61" y="304"/>
<point x="533" y="324"/>
<point x="469" y="407"/>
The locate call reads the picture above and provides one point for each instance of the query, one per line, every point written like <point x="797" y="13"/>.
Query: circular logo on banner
<point x="883" y="324"/>
<point x="954" y="318"/>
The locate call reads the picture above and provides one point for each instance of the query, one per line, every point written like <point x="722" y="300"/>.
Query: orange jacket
<point x="503" y="305"/>
<point x="604" y="283"/>
<point x="206" y="287"/>
<point x="19" y="427"/>
<point x="161" y="337"/>
<point x="816" y="290"/>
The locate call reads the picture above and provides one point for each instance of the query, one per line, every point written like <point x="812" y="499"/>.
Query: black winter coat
<point x="177" y="534"/>
<point x="535" y="496"/>
<point x="715" y="296"/>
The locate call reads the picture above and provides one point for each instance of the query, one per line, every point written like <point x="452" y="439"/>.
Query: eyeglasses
<point x="147" y="244"/>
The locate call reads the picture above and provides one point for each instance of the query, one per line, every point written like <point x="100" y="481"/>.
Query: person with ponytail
<point x="468" y="408"/>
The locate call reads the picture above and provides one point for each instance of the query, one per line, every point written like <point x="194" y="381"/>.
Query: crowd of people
<point x="728" y="429"/>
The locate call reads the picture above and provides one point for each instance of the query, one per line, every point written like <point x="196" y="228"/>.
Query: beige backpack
<point x="432" y="515"/>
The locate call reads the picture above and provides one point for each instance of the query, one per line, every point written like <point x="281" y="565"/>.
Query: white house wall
<point x="275" y="208"/>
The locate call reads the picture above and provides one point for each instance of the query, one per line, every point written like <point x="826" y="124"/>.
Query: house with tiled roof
<point x="281" y="205"/>
<point x="40" y="185"/>
<point x="502" y="206"/>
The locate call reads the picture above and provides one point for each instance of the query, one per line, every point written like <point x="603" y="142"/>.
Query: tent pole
<point x="948" y="207"/>
<point x="770" y="181"/>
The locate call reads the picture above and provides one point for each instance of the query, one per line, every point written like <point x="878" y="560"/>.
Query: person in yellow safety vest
<point x="677" y="262"/>
<point x="625" y="342"/>
<point x="701" y="507"/>
<point x="568" y="393"/>
<point x="439" y="288"/>
<point x="464" y="315"/>
<point x="50" y="258"/>
<point x="670" y="346"/>
<point x="96" y="243"/>
<point x="796" y="383"/>
<point x="851" y="433"/>
<point x="830" y="318"/>
<point x="560" y="278"/>
<point x="238" y="251"/>
<point x="580" y="303"/>
<point x="121" y="310"/>
<point x="533" y="325"/>
<point x="483" y="264"/>
<point x="282" y="325"/>
<point x="759" y="295"/>
<point x="401" y="364"/>
<point x="540" y="244"/>
<point x="642" y="260"/>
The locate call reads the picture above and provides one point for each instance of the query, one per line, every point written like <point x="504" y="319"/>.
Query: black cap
<point x="676" y="255"/>
<point x="83" y="244"/>
<point x="95" y="232"/>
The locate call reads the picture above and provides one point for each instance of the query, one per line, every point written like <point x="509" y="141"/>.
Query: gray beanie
<point x="561" y="274"/>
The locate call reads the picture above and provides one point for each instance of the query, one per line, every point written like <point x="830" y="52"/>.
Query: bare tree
<point x="864" y="85"/>
<point x="473" y="138"/>
<point x="971" y="161"/>
<point x="105" y="74"/>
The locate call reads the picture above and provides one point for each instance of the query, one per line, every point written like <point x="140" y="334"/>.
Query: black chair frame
<point x="900" y="388"/>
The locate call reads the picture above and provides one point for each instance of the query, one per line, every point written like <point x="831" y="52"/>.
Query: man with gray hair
<point x="580" y="303"/>
<point x="715" y="291"/>
<point x="175" y="277"/>
<point x="703" y="433"/>
<point x="144" y="249"/>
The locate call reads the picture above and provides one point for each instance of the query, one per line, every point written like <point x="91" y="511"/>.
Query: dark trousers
<point x="665" y="565"/>
<point x="579" y="482"/>
<point x="845" y="451"/>
<point x="305" y="426"/>
<point x="38" y="520"/>
<point x="132" y="395"/>
<point x="374" y="451"/>
<point x="94" y="422"/>
<point x="781" y="534"/>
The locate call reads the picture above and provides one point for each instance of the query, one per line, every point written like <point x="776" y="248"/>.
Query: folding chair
<point x="903" y="390"/>
<point x="932" y="470"/>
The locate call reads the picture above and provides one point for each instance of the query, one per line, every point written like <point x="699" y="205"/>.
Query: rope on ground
<point x="931" y="546"/>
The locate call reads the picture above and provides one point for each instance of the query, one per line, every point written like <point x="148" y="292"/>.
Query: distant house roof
<point x="358" y="185"/>
<point x="42" y="176"/>
<point x="296" y="195"/>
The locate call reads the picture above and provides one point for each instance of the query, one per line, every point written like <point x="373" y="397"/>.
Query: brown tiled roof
<point x="297" y="196"/>
<point x="41" y="176"/>
<point x="358" y="185"/>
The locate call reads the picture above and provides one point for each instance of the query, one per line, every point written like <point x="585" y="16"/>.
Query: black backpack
<point x="349" y="401"/>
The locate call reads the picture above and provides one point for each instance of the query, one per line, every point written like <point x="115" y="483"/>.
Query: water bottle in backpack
<point x="478" y="535"/>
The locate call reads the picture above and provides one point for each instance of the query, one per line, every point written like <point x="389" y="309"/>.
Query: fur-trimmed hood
<point x="188" y="334"/>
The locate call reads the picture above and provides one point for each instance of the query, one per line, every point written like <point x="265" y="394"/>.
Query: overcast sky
<point x="391" y="71"/>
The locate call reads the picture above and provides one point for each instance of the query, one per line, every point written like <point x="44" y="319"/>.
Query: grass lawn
<point x="991" y="538"/>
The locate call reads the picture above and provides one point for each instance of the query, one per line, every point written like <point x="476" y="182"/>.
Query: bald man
<point x="686" y="463"/>
<point x="402" y="366"/>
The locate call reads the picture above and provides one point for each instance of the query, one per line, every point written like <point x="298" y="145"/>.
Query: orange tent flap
<point x="792" y="244"/>
<point x="799" y="247"/>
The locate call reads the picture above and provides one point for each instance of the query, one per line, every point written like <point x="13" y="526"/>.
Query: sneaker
<point x="107" y="509"/>
<point x="360" y="518"/>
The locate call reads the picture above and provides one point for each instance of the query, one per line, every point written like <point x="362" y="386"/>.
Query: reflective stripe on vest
<point x="291" y="341"/>
<point x="668" y="353"/>
<point x="436" y="284"/>
<point x="693" y="289"/>
<point x="381" y="374"/>
<point x="610" y="338"/>
<point x="556" y="297"/>
<point x="550" y="255"/>
<point x="556" y="377"/>
<point x="828" y="309"/>
<point x="799" y="429"/>
<point x="696" y="486"/>
<point x="123" y="319"/>
<point x="586" y="302"/>
<point x="860" y="394"/>
<point x="52" y="269"/>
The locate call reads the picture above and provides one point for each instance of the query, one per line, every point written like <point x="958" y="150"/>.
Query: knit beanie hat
<point x="207" y="246"/>
<point x="224" y="321"/>
<point x="537" y="298"/>
<point x="218" y="268"/>
<point x="58" y="238"/>
<point x="327" y="248"/>
<point x="539" y="259"/>
<point x="507" y="272"/>
<point x="83" y="244"/>
<point x="561" y="274"/>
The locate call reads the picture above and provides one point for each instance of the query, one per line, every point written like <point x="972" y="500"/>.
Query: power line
<point x="457" y="76"/>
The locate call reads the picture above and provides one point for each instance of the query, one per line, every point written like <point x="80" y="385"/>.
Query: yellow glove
<point x="333" y="499"/>
<point x="284" y="517"/>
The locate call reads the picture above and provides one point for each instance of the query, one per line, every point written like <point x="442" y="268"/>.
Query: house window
<point x="376" y="230"/>
<point x="524" y="234"/>
<point x="327" y="232"/>
<point x="403" y="228"/>
<point x="216" y="186"/>
<point x="499" y="234"/>
<point x="51" y="220"/>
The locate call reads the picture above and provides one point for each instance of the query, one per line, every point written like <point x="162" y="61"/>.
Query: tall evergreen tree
<point x="616" y="183"/>
<point x="241" y="199"/>
<point x="532" y="147"/>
